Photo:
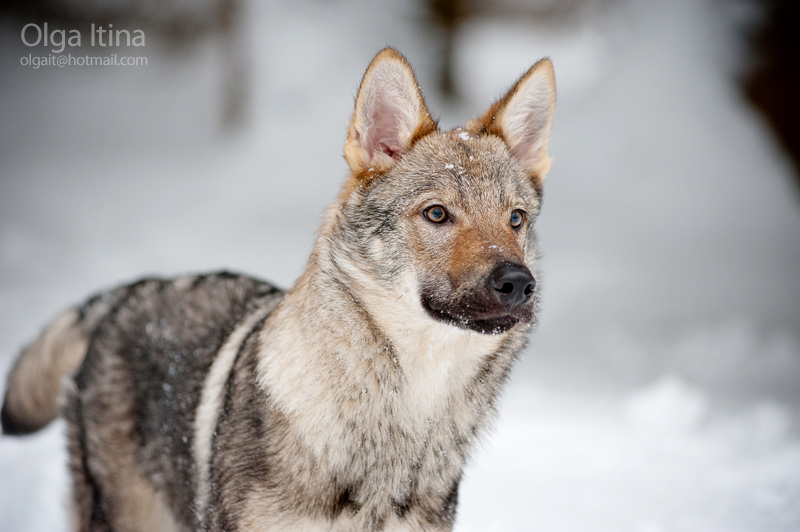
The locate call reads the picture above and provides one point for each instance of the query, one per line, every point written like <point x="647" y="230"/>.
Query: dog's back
<point x="143" y="355"/>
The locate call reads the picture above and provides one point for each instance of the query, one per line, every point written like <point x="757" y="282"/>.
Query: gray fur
<point x="350" y="402"/>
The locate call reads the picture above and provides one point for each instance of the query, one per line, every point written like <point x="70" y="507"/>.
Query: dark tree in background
<point x="773" y="83"/>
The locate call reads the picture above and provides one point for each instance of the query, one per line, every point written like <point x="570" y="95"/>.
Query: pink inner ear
<point x="524" y="151"/>
<point x="530" y="135"/>
<point x="383" y="135"/>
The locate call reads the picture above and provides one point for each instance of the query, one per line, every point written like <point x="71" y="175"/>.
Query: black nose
<point x="512" y="284"/>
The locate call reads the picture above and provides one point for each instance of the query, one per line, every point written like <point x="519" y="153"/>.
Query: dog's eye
<point x="436" y="214"/>
<point x="517" y="217"/>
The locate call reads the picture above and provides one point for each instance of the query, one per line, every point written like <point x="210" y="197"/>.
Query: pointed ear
<point x="389" y="116"/>
<point x="523" y="117"/>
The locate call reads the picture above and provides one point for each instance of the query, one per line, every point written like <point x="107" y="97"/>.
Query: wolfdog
<point x="349" y="402"/>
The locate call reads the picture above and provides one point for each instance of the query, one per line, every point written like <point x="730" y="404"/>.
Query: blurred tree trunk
<point x="449" y="15"/>
<point x="773" y="84"/>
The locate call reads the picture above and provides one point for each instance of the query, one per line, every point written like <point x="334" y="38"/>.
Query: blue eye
<point x="436" y="214"/>
<point x="517" y="217"/>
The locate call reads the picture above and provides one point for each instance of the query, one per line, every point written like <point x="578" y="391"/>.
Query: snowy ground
<point x="661" y="391"/>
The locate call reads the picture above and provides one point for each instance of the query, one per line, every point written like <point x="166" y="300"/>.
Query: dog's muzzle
<point x="493" y="305"/>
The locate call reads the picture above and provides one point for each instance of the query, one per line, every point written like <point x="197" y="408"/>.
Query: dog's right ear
<point x="389" y="117"/>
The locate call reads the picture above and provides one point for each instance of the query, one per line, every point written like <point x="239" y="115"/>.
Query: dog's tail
<point x="34" y="384"/>
<point x="32" y="393"/>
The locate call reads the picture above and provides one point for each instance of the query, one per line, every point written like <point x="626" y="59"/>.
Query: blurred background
<point x="662" y="389"/>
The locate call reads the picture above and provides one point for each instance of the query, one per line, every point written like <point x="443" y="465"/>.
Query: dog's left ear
<point x="523" y="118"/>
<point x="389" y="116"/>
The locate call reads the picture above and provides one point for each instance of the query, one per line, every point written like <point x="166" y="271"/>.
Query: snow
<point x="589" y="466"/>
<point x="660" y="392"/>
<point x="667" y="407"/>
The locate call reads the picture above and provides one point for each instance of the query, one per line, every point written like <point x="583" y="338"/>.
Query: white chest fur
<point x="365" y="392"/>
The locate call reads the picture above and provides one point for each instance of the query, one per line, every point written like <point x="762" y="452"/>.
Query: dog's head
<point x="448" y="215"/>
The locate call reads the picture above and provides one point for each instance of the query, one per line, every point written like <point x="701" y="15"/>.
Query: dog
<point x="350" y="401"/>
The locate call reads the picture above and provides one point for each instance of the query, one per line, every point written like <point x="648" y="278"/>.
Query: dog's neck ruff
<point x="373" y="325"/>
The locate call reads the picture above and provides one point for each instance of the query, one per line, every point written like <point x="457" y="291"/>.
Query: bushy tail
<point x="32" y="395"/>
<point x="34" y="384"/>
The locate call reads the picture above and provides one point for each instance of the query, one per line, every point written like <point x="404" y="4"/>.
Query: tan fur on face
<point x="479" y="191"/>
<point x="476" y="250"/>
